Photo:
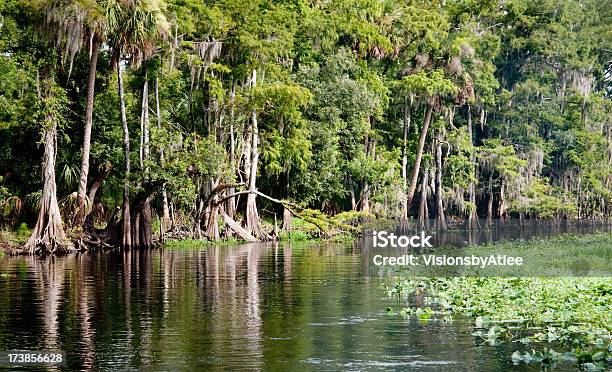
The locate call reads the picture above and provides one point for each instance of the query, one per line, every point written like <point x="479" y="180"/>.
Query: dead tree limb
<point x="292" y="207"/>
<point x="235" y="226"/>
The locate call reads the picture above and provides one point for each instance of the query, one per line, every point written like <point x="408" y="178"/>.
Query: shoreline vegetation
<point x="212" y="120"/>
<point x="349" y="226"/>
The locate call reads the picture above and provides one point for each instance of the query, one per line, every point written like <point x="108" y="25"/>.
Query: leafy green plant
<point x="573" y="312"/>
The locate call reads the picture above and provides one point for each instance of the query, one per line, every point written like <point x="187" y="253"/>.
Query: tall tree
<point x="78" y="23"/>
<point x="431" y="87"/>
<point x="134" y="28"/>
<point x="48" y="234"/>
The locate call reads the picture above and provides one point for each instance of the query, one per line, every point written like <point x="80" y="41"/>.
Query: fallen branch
<point x="220" y="188"/>
<point x="287" y="204"/>
<point x="235" y="226"/>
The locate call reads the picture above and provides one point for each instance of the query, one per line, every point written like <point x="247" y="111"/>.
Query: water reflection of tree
<point x="230" y="307"/>
<point x="61" y="304"/>
<point x="49" y="276"/>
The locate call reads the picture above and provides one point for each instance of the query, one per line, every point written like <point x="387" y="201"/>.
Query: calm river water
<point x="248" y="307"/>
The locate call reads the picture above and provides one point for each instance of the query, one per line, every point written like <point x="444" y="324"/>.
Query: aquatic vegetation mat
<point x="571" y="314"/>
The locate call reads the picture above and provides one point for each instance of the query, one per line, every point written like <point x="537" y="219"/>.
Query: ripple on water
<point x="267" y="306"/>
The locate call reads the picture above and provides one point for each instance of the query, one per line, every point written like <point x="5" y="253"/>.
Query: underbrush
<point x="17" y="236"/>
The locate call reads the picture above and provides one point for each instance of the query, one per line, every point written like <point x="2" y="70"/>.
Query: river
<point x="309" y="306"/>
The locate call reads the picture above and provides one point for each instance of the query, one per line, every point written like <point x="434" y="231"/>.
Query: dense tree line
<point x="214" y="114"/>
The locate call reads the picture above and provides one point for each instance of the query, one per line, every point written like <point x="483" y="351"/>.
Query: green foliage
<point x="429" y="84"/>
<point x="294" y="235"/>
<point x="353" y="218"/>
<point x="190" y="243"/>
<point x="16" y="236"/>
<point x="572" y="312"/>
<point x="520" y="94"/>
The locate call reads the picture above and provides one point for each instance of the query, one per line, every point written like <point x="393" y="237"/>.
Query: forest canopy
<point x="211" y="116"/>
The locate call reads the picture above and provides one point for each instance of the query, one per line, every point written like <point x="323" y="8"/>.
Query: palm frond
<point x="32" y="200"/>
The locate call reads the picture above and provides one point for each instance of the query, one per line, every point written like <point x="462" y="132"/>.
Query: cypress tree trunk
<point x="142" y="235"/>
<point x="230" y="204"/>
<point x="144" y="125"/>
<point x="407" y="120"/>
<point x="423" y="211"/>
<point x="126" y="226"/>
<point x="419" y="155"/>
<point x="212" y="223"/>
<point x="142" y="232"/>
<point x="490" y="202"/>
<point x="48" y="234"/>
<point x="441" y="218"/>
<point x="365" y="198"/>
<point x="91" y="86"/>
<point x="252" y="215"/>
<point x="473" y="217"/>
<point x="370" y="149"/>
<point x="502" y="201"/>
<point x="352" y="192"/>
<point x="286" y="219"/>
<point x="165" y="221"/>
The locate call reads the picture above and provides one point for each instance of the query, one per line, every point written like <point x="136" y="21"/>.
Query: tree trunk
<point x="144" y="126"/>
<point x="126" y="226"/>
<point x="165" y="220"/>
<point x="365" y="197"/>
<point x="441" y="218"/>
<point x="212" y="225"/>
<point x="352" y="192"/>
<point x="562" y="89"/>
<point x="286" y="219"/>
<point x="48" y="234"/>
<point x="407" y="120"/>
<point x="423" y="212"/>
<point x="369" y="148"/>
<point x="103" y="171"/>
<point x="483" y="117"/>
<point x="419" y="155"/>
<point x="142" y="235"/>
<point x="174" y="47"/>
<point x="244" y="234"/>
<point x="502" y="201"/>
<point x="252" y="215"/>
<point x="490" y="202"/>
<point x="230" y="204"/>
<point x="146" y="233"/>
<point x="81" y="213"/>
<point x="473" y="213"/>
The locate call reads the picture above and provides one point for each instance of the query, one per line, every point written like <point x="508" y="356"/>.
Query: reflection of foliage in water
<point x="573" y="312"/>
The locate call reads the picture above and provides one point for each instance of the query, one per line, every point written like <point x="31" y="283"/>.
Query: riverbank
<point x="11" y="240"/>
<point x="314" y="227"/>
<point x="551" y="319"/>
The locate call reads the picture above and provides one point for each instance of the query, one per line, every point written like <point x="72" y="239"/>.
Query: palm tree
<point x="72" y="23"/>
<point x="135" y="26"/>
